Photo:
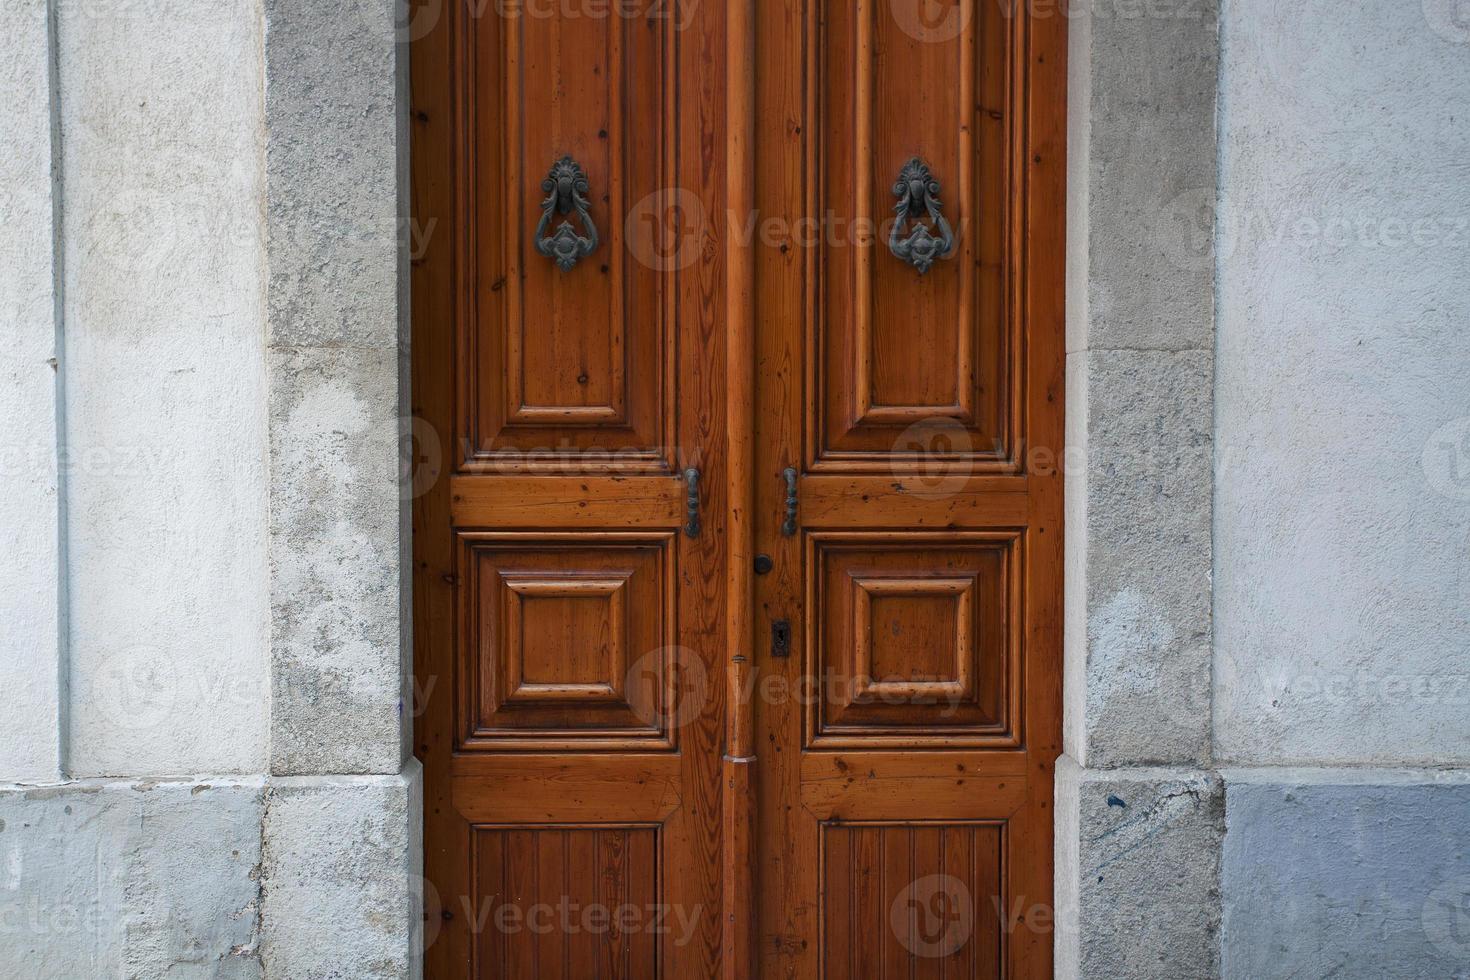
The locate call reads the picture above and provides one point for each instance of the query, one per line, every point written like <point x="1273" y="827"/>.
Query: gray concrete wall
<point x="163" y="180"/>
<point x="1343" y="488"/>
<point x="31" y="576"/>
<point x="205" y="512"/>
<point x="1343" y="394"/>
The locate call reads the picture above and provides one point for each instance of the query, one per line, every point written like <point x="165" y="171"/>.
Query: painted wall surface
<point x="30" y="571"/>
<point x="161" y="133"/>
<point x="1360" y="876"/>
<point x="1342" y="507"/>
<point x="1342" y="527"/>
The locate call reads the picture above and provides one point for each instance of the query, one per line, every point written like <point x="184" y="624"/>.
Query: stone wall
<point x="203" y="758"/>
<point x="1266" y="683"/>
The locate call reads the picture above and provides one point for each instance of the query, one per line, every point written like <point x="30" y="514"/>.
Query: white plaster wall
<point x="30" y="573"/>
<point x="161" y="121"/>
<point x="1342" y="526"/>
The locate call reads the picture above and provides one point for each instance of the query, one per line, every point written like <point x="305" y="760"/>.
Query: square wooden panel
<point x="910" y="639"/>
<point x="567" y="641"/>
<point x="911" y="900"/>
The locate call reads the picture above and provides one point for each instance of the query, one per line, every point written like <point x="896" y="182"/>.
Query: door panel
<point x="904" y="795"/>
<point x="564" y="362"/>
<point x="902" y="356"/>
<point x="568" y="616"/>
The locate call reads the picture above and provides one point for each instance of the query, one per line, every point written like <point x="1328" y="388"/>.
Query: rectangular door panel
<point x="898" y="900"/>
<point x="567" y="902"/>
<point x="911" y="360"/>
<point x="567" y="641"/>
<point x="566" y="360"/>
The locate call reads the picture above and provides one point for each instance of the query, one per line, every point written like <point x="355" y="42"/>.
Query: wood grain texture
<point x="561" y="764"/>
<point x="576" y="903"/>
<point x="569" y="638"/>
<point x="920" y="411"/>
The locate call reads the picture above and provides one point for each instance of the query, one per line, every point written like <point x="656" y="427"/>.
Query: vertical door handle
<point x="788" y="526"/>
<point x="566" y="192"/>
<point x="918" y="196"/>
<point x="691" y="501"/>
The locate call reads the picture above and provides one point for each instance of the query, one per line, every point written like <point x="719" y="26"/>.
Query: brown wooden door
<point x="682" y="716"/>
<point x="905" y="820"/>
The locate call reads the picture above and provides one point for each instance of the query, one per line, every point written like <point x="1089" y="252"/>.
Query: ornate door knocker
<point x="918" y="193"/>
<point x="566" y="191"/>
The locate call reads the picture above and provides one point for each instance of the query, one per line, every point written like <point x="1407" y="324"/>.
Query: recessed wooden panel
<point x="911" y="639"/>
<point x="911" y="900"/>
<point x="568" y="641"/>
<point x="911" y="368"/>
<point x="568" y="902"/>
<point x="559" y="362"/>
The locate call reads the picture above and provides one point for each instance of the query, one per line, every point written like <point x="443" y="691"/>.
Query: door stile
<point x="739" y="810"/>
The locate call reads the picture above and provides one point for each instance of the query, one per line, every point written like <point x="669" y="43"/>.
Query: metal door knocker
<point x="918" y="193"/>
<point x="566" y="191"/>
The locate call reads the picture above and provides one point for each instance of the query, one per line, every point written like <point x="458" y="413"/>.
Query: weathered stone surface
<point x="147" y="879"/>
<point x="31" y="576"/>
<point x="334" y="116"/>
<point x="337" y="657"/>
<point x="1138" y="886"/>
<point x="1142" y="88"/>
<point x="165" y="438"/>
<point x="1332" y="873"/>
<point x="342" y="878"/>
<point x="1138" y="572"/>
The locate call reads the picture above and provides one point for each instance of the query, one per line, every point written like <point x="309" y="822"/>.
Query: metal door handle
<point x="691" y="501"/>
<point x="788" y="526"/>
<point x="566" y="191"/>
<point x="918" y="195"/>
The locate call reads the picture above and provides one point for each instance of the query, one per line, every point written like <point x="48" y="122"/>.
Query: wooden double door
<point x="738" y="337"/>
